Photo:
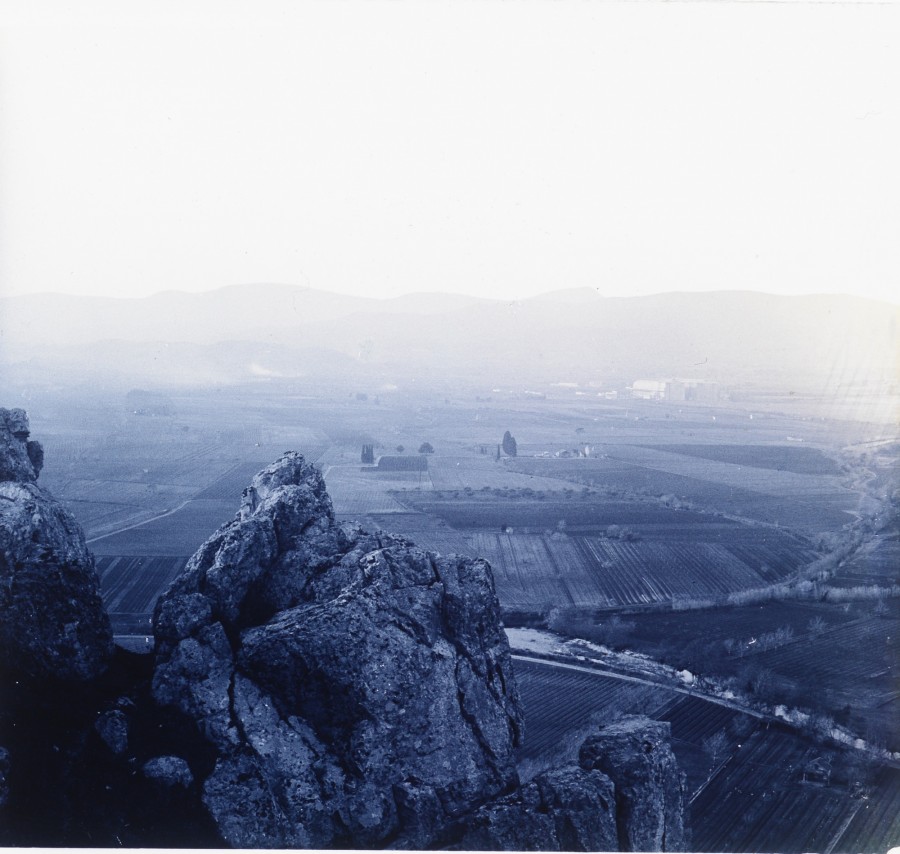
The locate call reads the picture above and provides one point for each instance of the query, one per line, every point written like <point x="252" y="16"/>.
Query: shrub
<point x="715" y="745"/>
<point x="816" y="626"/>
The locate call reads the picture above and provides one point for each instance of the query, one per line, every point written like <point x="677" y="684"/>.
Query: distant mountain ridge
<point x="198" y="318"/>
<point x="245" y="331"/>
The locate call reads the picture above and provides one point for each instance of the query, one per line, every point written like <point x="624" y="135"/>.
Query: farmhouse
<point x="675" y="390"/>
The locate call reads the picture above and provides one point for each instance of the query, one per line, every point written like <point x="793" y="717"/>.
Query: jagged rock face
<point x="52" y="620"/>
<point x="358" y="690"/>
<point x="20" y="460"/>
<point x="565" y="810"/>
<point x="650" y="789"/>
<point x="170" y="771"/>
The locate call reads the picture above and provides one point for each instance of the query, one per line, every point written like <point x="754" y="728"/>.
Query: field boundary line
<point x="842" y="829"/>
<point x="710" y="777"/>
<point x="599" y="670"/>
<point x="140" y="524"/>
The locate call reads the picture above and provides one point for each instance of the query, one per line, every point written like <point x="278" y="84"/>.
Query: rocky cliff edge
<point x="52" y="620"/>
<point x="348" y="689"/>
<point x="351" y="683"/>
<point x="359" y="692"/>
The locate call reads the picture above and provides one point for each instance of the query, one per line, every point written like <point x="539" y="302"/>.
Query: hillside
<point x="819" y="344"/>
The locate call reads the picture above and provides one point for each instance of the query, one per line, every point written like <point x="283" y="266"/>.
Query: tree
<point x="509" y="444"/>
<point x="400" y="449"/>
<point x="425" y="448"/>
<point x="761" y="681"/>
<point x="715" y="744"/>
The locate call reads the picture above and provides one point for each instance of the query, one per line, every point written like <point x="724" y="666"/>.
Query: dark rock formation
<point x="349" y="689"/>
<point x="169" y="771"/>
<point x="52" y="621"/>
<point x="566" y="810"/>
<point x="4" y="776"/>
<point x="650" y="790"/>
<point x="20" y="460"/>
<point x="112" y="727"/>
<point x="357" y="689"/>
<point x="76" y="715"/>
<point x="76" y="759"/>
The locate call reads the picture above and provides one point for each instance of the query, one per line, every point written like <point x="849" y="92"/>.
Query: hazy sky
<point x="495" y="148"/>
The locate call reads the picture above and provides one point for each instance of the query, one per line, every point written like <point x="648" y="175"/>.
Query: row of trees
<point x="508" y="445"/>
<point x="368" y="451"/>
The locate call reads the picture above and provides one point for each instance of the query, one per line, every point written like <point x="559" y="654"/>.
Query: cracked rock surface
<point x="650" y="789"/>
<point x="52" y="621"/>
<point x="358" y="690"/>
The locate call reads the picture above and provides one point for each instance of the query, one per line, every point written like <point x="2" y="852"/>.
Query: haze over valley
<point x="450" y="426"/>
<point x="838" y="348"/>
<point x="689" y="504"/>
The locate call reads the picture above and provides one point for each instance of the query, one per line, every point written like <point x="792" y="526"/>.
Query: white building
<point x="675" y="390"/>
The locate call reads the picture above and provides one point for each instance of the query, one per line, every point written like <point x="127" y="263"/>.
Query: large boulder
<point x="358" y="690"/>
<point x="636" y="754"/>
<point x="52" y="621"/>
<point x="21" y="460"/>
<point x="569" y="809"/>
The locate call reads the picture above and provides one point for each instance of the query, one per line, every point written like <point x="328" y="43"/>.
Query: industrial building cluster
<point x="702" y="391"/>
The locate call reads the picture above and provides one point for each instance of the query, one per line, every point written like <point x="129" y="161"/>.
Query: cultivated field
<point x="180" y="531"/>
<point x="850" y="669"/>
<point x="876" y="563"/>
<point x="771" y="497"/>
<point x="750" y="793"/>
<point x="560" y="702"/>
<point x="130" y="587"/>
<point x="355" y="492"/>
<point x="577" y="547"/>
<point x="788" y="458"/>
<point x="231" y="484"/>
<point x="534" y="571"/>
<point x="615" y="511"/>
<point x="835" y="659"/>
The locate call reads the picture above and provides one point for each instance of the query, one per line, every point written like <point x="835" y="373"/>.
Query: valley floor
<point x="753" y="545"/>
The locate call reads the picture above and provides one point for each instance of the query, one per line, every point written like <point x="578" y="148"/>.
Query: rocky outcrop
<point x="349" y="688"/>
<point x="169" y="771"/>
<point x="21" y="460"/>
<point x="358" y="690"/>
<point x="626" y="794"/>
<point x="112" y="727"/>
<point x="565" y="810"/>
<point x="52" y="621"/>
<point x="636" y="755"/>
